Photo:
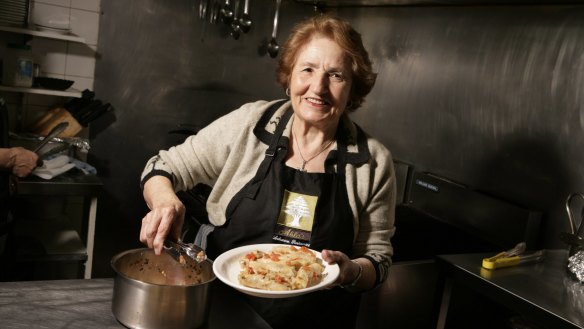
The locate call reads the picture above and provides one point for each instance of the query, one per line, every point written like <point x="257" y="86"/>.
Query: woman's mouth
<point x="315" y="101"/>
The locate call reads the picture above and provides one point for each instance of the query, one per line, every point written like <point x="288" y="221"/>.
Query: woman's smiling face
<point x="320" y="83"/>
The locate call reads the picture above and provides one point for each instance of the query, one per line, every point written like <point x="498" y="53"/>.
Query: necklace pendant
<point x="301" y="169"/>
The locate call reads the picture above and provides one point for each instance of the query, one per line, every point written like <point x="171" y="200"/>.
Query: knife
<point x="77" y="104"/>
<point x="97" y="113"/>
<point x="84" y="113"/>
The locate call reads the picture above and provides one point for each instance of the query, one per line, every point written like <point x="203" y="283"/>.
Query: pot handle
<point x="569" y="210"/>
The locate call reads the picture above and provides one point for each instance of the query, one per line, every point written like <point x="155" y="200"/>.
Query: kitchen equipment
<point x="154" y="291"/>
<point x="235" y="27"/>
<point x="18" y="66"/>
<point x="506" y="261"/>
<point x="52" y="134"/>
<point x="226" y="13"/>
<point x="215" y="8"/>
<point x="177" y="249"/>
<point x="574" y="238"/>
<point x="62" y="148"/>
<point x="203" y="4"/>
<point x="576" y="265"/>
<point x="14" y="12"/>
<point x="505" y="258"/>
<point x="57" y="30"/>
<point x="518" y="249"/>
<point x="53" y="83"/>
<point x="54" y="117"/>
<point x="245" y="19"/>
<point x="273" y="46"/>
<point x="95" y="114"/>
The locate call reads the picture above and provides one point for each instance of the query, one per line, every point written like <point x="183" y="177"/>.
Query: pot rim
<point x="123" y="253"/>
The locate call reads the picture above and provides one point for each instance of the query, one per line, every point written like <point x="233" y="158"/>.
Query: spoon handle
<point x="246" y="7"/>
<point x="275" y="31"/>
<point x="235" y="11"/>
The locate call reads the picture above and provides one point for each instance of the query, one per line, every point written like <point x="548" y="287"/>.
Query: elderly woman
<point x="268" y="161"/>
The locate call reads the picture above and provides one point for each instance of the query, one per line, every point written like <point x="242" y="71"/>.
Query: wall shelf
<point x="50" y="35"/>
<point x="41" y="91"/>
<point x="42" y="34"/>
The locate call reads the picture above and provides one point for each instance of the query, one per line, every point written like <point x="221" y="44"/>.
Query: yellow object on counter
<point x="500" y="260"/>
<point x="497" y="262"/>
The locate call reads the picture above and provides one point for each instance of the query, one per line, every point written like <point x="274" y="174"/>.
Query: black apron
<point x="255" y="216"/>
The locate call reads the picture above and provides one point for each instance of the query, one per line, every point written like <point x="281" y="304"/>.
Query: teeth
<point x="317" y="101"/>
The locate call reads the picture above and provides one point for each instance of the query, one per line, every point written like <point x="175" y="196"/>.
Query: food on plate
<point x="284" y="268"/>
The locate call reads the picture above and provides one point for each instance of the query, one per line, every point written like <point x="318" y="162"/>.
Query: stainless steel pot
<point x="155" y="291"/>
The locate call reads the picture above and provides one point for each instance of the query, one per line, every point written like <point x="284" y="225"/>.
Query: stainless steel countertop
<point x="87" y="304"/>
<point x="72" y="183"/>
<point x="545" y="292"/>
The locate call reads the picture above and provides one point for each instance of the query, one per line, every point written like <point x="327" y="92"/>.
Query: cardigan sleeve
<point x="201" y="157"/>
<point x="376" y="214"/>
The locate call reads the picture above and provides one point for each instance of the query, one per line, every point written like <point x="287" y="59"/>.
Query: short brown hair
<point x="346" y="37"/>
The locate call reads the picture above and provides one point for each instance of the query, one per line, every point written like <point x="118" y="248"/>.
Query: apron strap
<point x="251" y="188"/>
<point x="270" y="155"/>
<point x="267" y="119"/>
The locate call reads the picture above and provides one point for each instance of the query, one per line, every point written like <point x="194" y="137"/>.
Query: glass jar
<point x="18" y="66"/>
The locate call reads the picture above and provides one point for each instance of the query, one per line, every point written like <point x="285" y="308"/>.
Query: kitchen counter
<point x="87" y="304"/>
<point x="544" y="292"/>
<point x="71" y="183"/>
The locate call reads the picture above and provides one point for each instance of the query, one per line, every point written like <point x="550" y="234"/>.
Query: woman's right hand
<point x="166" y="216"/>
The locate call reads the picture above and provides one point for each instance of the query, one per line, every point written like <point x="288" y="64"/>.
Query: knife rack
<point x="52" y="118"/>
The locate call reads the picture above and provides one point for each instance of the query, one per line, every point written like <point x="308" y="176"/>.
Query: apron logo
<point x="297" y="208"/>
<point x="297" y="211"/>
<point x="296" y="217"/>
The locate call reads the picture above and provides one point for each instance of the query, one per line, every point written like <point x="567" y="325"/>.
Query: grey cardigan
<point x="226" y="155"/>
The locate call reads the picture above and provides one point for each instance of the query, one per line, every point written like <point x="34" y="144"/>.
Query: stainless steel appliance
<point x="439" y="216"/>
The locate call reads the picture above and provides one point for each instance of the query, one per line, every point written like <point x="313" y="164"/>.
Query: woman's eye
<point x="307" y="69"/>
<point x="337" y="76"/>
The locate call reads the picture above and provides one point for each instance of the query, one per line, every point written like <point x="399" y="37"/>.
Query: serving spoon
<point x="245" y="19"/>
<point x="273" y="46"/>
<point x="226" y="13"/>
<point x="235" y="27"/>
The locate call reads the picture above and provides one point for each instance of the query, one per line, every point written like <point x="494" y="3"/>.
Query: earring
<point x="288" y="92"/>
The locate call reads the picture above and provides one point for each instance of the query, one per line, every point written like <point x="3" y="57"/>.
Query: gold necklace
<point x="304" y="161"/>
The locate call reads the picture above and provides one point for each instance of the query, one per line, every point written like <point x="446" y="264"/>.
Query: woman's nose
<point x="319" y="84"/>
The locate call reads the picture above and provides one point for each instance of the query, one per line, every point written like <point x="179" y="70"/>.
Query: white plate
<point x="227" y="268"/>
<point x="52" y="29"/>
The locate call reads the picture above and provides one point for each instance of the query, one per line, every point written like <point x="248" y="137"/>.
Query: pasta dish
<point x="284" y="268"/>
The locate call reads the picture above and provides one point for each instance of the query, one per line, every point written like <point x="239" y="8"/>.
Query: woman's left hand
<point x="348" y="269"/>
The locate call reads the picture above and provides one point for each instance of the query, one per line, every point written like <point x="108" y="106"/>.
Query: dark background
<point x="489" y="96"/>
